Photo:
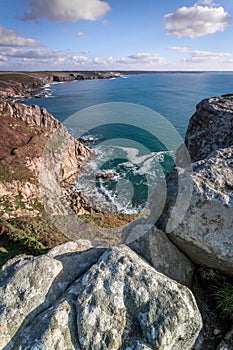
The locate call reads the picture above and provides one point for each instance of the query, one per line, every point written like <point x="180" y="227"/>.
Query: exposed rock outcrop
<point x="205" y="233"/>
<point x="26" y="130"/>
<point x="119" y="302"/>
<point x="32" y="115"/>
<point x="160" y="252"/>
<point x="15" y="86"/>
<point x="211" y="127"/>
<point x="87" y="297"/>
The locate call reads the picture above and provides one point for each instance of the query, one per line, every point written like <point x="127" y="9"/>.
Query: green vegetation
<point x="14" y="171"/>
<point x="17" y="77"/>
<point x="108" y="220"/>
<point x="56" y="142"/>
<point x="224" y="298"/>
<point x="27" y="235"/>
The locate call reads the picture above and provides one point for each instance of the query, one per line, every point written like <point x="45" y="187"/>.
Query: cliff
<point x="19" y="85"/>
<point x="152" y="292"/>
<point x="25" y="131"/>
<point x="210" y="128"/>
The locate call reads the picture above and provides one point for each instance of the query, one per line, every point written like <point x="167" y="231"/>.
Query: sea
<point x="135" y="124"/>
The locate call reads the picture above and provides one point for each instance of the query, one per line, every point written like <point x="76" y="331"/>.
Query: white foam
<point x="147" y="165"/>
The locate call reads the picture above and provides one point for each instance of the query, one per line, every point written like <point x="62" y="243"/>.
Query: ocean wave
<point x="109" y="181"/>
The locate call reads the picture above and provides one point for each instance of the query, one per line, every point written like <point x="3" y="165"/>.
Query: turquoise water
<point x="140" y="122"/>
<point x="173" y="95"/>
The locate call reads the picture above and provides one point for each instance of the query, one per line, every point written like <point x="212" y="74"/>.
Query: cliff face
<point x="90" y="297"/>
<point x="204" y="234"/>
<point x="25" y="132"/>
<point x="210" y="128"/>
<point x="19" y="85"/>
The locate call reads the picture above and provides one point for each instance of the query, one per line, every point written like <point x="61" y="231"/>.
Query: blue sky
<point x="116" y="34"/>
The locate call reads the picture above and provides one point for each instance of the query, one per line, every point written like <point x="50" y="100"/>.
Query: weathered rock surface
<point x="32" y="115"/>
<point x="26" y="130"/>
<point x="141" y="306"/>
<point x="205" y="233"/>
<point x="160" y="252"/>
<point x="211" y="127"/>
<point x="28" y="285"/>
<point x="121" y="302"/>
<point x="227" y="342"/>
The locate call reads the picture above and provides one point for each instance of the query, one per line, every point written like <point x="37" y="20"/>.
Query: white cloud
<point x="11" y="38"/>
<point x="209" y="57"/>
<point x="3" y="58"/>
<point x="51" y="59"/>
<point x="206" y="2"/>
<point x="85" y="52"/>
<point x="196" y="21"/>
<point x="42" y="59"/>
<point x="63" y="10"/>
<point x="79" y="34"/>
<point x="80" y="59"/>
<point x="178" y="48"/>
<point x="31" y="54"/>
<point x="142" y="58"/>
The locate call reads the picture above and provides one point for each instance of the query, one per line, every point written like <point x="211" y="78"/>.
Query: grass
<point x="224" y="298"/>
<point x="17" y="77"/>
<point x="108" y="220"/>
<point x="27" y="235"/>
<point x="14" y="171"/>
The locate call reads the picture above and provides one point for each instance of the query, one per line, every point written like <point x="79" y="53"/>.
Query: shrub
<point x="224" y="298"/>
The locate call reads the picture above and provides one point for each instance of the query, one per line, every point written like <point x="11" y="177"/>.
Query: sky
<point x="156" y="35"/>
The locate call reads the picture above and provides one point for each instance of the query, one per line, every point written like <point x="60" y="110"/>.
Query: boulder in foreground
<point x="120" y="302"/>
<point x="155" y="247"/>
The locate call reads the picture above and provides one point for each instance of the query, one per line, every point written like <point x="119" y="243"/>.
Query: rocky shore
<point x="158" y="288"/>
<point x="19" y="85"/>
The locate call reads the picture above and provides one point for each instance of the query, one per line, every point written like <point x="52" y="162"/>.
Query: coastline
<point x="17" y="86"/>
<point x="26" y="228"/>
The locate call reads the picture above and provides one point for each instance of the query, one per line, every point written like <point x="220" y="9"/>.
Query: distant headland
<point x="18" y="85"/>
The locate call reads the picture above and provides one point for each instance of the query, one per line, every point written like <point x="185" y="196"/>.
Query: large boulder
<point x="205" y="232"/>
<point x="125" y="303"/>
<point x="28" y="285"/>
<point x="120" y="302"/>
<point x="154" y="246"/>
<point x="211" y="127"/>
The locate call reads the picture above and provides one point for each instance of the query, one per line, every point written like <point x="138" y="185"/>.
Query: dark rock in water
<point x="211" y="127"/>
<point x="107" y="176"/>
<point x="89" y="139"/>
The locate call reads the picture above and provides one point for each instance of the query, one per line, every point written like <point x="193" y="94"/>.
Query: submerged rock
<point x="119" y="302"/>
